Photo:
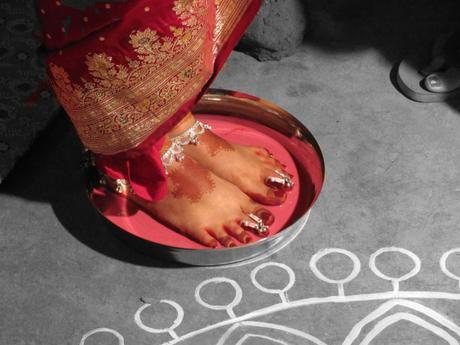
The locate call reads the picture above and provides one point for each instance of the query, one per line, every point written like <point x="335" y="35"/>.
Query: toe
<point x="275" y="197"/>
<point x="235" y="230"/>
<point x="221" y="235"/>
<point x="273" y="163"/>
<point x="269" y="196"/>
<point x="261" y="151"/>
<point x="275" y="179"/>
<point x="249" y="224"/>
<point x="267" y="217"/>
<point x="204" y="238"/>
<point x="434" y="83"/>
<point x="445" y="81"/>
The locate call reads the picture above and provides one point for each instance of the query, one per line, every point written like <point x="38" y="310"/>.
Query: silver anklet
<point x="176" y="151"/>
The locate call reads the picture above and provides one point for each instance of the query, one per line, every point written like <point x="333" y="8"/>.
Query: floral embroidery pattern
<point x="122" y="104"/>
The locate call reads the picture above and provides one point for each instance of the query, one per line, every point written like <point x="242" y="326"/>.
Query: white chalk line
<point x="250" y="335"/>
<point x="223" y="339"/>
<point x="121" y="340"/>
<point x="443" y="264"/>
<point x="228" y="333"/>
<point x="388" y="321"/>
<point x="395" y="280"/>
<point x="340" y="282"/>
<point x="281" y="292"/>
<point x="285" y="329"/>
<point x="387" y="306"/>
<point x="170" y="330"/>
<point x="320" y="300"/>
<point x="286" y="304"/>
<point x="229" y="307"/>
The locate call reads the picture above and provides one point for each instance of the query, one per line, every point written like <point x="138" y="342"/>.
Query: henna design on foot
<point x="215" y="144"/>
<point x="189" y="180"/>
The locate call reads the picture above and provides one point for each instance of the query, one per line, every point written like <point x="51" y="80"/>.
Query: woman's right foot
<point x="252" y="169"/>
<point x="204" y="207"/>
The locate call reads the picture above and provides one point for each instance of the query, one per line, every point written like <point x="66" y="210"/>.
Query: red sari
<point x="127" y="71"/>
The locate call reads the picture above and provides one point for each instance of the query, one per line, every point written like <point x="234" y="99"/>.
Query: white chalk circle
<point x="410" y="274"/>
<point x="323" y="252"/>
<point x="177" y="321"/>
<point x="218" y="280"/>
<point x="443" y="263"/>
<point x="286" y="268"/>
<point x="121" y="340"/>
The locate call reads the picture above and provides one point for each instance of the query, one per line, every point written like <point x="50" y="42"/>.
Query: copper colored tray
<point x="248" y="120"/>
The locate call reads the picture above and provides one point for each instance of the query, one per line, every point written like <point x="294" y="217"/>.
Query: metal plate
<point x="239" y="117"/>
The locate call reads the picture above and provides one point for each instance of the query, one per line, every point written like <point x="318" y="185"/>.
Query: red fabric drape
<point x="127" y="71"/>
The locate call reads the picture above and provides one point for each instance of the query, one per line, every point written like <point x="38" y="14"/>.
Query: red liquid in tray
<point x="126" y="215"/>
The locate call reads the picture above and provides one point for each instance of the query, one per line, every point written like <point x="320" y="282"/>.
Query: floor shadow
<point x="394" y="28"/>
<point x="50" y="172"/>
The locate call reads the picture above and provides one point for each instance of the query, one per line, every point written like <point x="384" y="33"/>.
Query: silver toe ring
<point x="281" y="179"/>
<point x="257" y="225"/>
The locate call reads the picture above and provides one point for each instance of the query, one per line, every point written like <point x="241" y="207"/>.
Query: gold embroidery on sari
<point x="123" y="104"/>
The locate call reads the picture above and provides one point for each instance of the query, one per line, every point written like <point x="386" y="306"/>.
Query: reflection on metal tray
<point x="244" y="119"/>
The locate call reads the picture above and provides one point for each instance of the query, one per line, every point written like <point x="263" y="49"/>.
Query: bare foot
<point x="203" y="206"/>
<point x="251" y="168"/>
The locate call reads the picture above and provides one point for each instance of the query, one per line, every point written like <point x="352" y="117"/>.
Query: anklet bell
<point x="175" y="152"/>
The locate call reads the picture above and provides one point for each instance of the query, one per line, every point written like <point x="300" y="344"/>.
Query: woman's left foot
<point x="253" y="169"/>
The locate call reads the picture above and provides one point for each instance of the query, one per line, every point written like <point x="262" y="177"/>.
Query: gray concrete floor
<point x="392" y="180"/>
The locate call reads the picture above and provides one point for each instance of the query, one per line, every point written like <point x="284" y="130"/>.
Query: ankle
<point x="166" y="144"/>
<point x="182" y="126"/>
<point x="173" y="148"/>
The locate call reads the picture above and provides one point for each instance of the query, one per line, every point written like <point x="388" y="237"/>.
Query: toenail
<point x="246" y="239"/>
<point x="279" y="194"/>
<point x="267" y="217"/>
<point x="227" y="242"/>
<point x="433" y="81"/>
<point x="263" y="234"/>
<point x="274" y="182"/>
<point x="243" y="237"/>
